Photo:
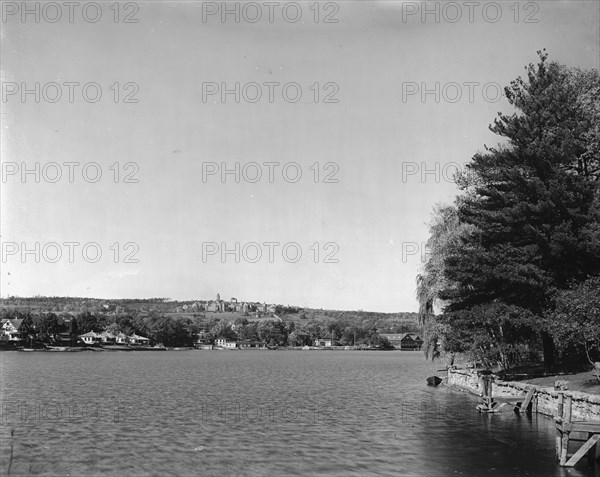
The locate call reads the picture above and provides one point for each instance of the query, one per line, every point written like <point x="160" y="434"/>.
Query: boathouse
<point x="404" y="341"/>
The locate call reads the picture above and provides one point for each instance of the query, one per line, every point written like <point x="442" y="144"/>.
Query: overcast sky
<point x="374" y="154"/>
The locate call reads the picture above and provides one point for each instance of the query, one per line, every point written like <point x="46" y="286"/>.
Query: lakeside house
<point x="250" y="344"/>
<point x="63" y="338"/>
<point x="202" y="338"/>
<point x="404" y="341"/>
<point x="106" y="337"/>
<point x="138" y="340"/>
<point x="91" y="338"/>
<point x="323" y="342"/>
<point x="10" y="330"/>
<point x="224" y="343"/>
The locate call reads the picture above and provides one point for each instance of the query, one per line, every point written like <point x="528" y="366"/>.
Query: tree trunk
<point x="548" y="344"/>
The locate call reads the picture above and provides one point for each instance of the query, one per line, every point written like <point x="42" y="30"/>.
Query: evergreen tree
<point x="529" y="210"/>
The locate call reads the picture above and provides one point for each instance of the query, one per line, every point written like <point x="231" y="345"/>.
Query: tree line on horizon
<point x="514" y="263"/>
<point x="174" y="331"/>
<point x="166" y="305"/>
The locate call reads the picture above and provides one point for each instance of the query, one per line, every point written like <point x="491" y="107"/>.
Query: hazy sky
<point x="375" y="136"/>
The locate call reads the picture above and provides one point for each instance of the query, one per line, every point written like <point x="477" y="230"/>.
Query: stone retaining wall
<point x="586" y="407"/>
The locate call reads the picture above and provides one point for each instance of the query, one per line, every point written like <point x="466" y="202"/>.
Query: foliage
<point x="158" y="320"/>
<point x="575" y="320"/>
<point x="526" y="225"/>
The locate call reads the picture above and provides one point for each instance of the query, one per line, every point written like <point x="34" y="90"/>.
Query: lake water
<point x="255" y="413"/>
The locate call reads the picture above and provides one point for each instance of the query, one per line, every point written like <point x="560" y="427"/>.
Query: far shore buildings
<point x="226" y="344"/>
<point x="323" y="342"/>
<point x="221" y="306"/>
<point x="91" y="337"/>
<point x="138" y="340"/>
<point x="404" y="341"/>
<point x="10" y="330"/>
<point x="106" y="337"/>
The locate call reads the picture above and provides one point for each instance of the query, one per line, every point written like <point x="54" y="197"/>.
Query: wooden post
<point x="566" y="432"/>
<point x="560" y="406"/>
<point x="534" y="404"/>
<point x="487" y="390"/>
<point x="558" y="418"/>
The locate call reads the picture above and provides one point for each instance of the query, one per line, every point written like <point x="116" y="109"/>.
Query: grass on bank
<point x="580" y="376"/>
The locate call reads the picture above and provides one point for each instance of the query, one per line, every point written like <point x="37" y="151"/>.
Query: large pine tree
<point x="531" y="205"/>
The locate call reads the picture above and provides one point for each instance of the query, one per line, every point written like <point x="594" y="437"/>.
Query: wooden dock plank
<point x="582" y="451"/>
<point x="527" y="400"/>
<point x="582" y="426"/>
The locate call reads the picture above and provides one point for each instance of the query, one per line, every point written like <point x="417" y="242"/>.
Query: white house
<point x="324" y="342"/>
<point x="139" y="340"/>
<point x="11" y="330"/>
<point x="121" y="339"/>
<point x="223" y="343"/>
<point x="91" y="337"/>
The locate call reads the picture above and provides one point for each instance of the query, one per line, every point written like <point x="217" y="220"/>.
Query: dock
<point x="575" y="413"/>
<point x="569" y="431"/>
<point x="520" y="404"/>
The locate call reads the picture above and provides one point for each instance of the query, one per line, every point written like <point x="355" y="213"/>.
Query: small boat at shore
<point x="434" y="380"/>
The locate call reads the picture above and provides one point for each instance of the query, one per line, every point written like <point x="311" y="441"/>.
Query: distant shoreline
<point x="75" y="349"/>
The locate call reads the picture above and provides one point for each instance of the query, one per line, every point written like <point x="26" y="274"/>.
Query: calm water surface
<point x="254" y="413"/>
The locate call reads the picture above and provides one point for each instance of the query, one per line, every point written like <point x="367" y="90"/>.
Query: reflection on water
<point x="255" y="413"/>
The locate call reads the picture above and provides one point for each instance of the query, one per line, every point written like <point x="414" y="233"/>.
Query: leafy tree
<point x="527" y="224"/>
<point x="445" y="236"/>
<point x="272" y="332"/>
<point x="298" y="337"/>
<point x="74" y="331"/>
<point x="171" y="332"/>
<point x="222" y="329"/>
<point x="48" y="326"/>
<point x="127" y="324"/>
<point x="347" y="336"/>
<point x="575" y="321"/>
<point x="493" y="333"/>
<point x="28" y="328"/>
<point x="89" y="322"/>
<point x="314" y="330"/>
<point x="241" y="321"/>
<point x="114" y="328"/>
<point x="249" y="332"/>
